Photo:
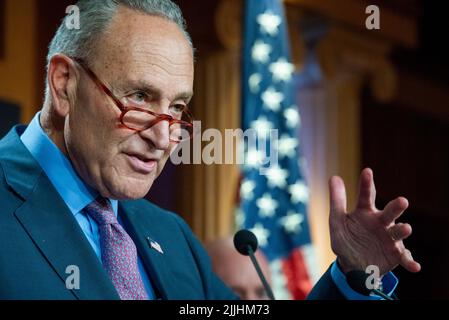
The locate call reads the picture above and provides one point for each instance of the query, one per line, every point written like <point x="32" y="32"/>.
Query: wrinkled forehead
<point x="135" y="40"/>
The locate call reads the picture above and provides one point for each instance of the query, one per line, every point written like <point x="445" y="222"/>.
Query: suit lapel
<point x="56" y="233"/>
<point x="50" y="224"/>
<point x="153" y="259"/>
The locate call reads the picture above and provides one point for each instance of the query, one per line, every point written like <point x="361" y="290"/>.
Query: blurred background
<point x="377" y="98"/>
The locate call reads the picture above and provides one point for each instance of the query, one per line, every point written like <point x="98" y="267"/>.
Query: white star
<point x="279" y="280"/>
<point x="254" y="158"/>
<point x="267" y="205"/>
<point x="276" y="176"/>
<point x="239" y="218"/>
<point x="269" y="23"/>
<point x="282" y="70"/>
<point x="272" y="99"/>
<point x="292" y="116"/>
<point x="254" y="82"/>
<point x="287" y="146"/>
<point x="292" y="222"/>
<point x="261" y="234"/>
<point x="262" y="126"/>
<point x="247" y="188"/>
<point x="299" y="192"/>
<point x="261" y="52"/>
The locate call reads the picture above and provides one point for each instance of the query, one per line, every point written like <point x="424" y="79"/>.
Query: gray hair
<point x="95" y="17"/>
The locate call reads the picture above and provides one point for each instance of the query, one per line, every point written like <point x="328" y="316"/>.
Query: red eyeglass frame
<point x="124" y="109"/>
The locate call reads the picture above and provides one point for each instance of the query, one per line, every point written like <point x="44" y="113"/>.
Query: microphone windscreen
<point x="357" y="281"/>
<point x="242" y="239"/>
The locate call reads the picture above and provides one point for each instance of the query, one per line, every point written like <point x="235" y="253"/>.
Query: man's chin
<point x="133" y="190"/>
<point x="128" y="195"/>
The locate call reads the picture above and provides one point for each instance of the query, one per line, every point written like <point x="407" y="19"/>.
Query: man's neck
<point x="53" y="126"/>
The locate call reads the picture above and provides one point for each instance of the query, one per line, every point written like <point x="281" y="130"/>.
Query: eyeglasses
<point x="139" y="119"/>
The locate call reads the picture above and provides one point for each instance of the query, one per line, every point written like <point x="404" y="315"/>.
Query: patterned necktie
<point x="118" y="252"/>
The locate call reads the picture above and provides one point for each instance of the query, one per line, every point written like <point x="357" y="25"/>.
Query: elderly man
<point x="71" y="222"/>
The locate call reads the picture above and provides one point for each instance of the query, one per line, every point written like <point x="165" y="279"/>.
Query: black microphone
<point x="357" y="281"/>
<point x="246" y="243"/>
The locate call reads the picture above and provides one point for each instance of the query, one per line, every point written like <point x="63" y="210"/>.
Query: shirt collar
<point x="75" y="193"/>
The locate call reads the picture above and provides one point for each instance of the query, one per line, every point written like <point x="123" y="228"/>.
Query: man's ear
<point x="61" y="79"/>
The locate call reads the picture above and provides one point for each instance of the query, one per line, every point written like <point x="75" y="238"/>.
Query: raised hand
<point x="368" y="236"/>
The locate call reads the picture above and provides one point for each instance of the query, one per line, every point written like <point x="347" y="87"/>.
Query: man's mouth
<point x="141" y="163"/>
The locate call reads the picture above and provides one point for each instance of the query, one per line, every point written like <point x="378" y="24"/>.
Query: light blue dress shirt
<point x="389" y="284"/>
<point x="75" y="193"/>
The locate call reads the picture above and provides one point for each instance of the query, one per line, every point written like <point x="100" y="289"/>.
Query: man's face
<point x="239" y="274"/>
<point x="143" y="59"/>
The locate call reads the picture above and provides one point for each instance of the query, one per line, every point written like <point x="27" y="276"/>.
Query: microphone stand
<point x="260" y="273"/>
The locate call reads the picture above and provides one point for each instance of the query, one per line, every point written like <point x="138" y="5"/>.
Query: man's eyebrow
<point x="157" y="93"/>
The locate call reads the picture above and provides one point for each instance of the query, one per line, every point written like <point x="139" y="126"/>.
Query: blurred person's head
<point x="141" y="52"/>
<point x="237" y="271"/>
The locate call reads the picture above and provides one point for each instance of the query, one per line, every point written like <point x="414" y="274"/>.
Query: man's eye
<point x="138" y="97"/>
<point x="178" y="108"/>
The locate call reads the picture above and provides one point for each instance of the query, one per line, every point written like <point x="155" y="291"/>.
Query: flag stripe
<point x="298" y="280"/>
<point x="273" y="192"/>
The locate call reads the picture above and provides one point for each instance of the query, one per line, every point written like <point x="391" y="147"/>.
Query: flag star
<point x="282" y="70"/>
<point x="247" y="189"/>
<point x="261" y="234"/>
<point x="272" y="99"/>
<point x="254" y="158"/>
<point x="254" y="82"/>
<point x="292" y="222"/>
<point x="261" y="52"/>
<point x="292" y="116"/>
<point x="269" y="23"/>
<point x="279" y="280"/>
<point x="267" y="205"/>
<point x="299" y="192"/>
<point x="239" y="218"/>
<point x="276" y="176"/>
<point x="287" y="146"/>
<point x="262" y="126"/>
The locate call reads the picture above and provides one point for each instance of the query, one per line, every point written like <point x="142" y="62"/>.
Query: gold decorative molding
<point x="341" y="52"/>
<point x="228" y="23"/>
<point x="399" y="29"/>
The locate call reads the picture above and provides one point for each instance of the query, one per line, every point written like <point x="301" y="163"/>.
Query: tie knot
<point x="101" y="211"/>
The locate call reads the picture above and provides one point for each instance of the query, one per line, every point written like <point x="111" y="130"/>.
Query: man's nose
<point x="159" y="135"/>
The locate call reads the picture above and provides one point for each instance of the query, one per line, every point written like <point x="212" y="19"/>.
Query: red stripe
<point x="298" y="280"/>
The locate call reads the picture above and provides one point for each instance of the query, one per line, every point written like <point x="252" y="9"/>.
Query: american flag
<point x="274" y="205"/>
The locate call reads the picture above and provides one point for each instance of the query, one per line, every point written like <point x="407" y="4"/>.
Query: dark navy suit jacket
<point x="40" y="238"/>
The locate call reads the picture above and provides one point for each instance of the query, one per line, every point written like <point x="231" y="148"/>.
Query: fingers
<point x="400" y="231"/>
<point x="408" y="263"/>
<point x="367" y="190"/>
<point x="393" y="210"/>
<point x="337" y="193"/>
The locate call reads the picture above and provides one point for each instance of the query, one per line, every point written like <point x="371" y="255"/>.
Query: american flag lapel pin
<point x="154" y="245"/>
